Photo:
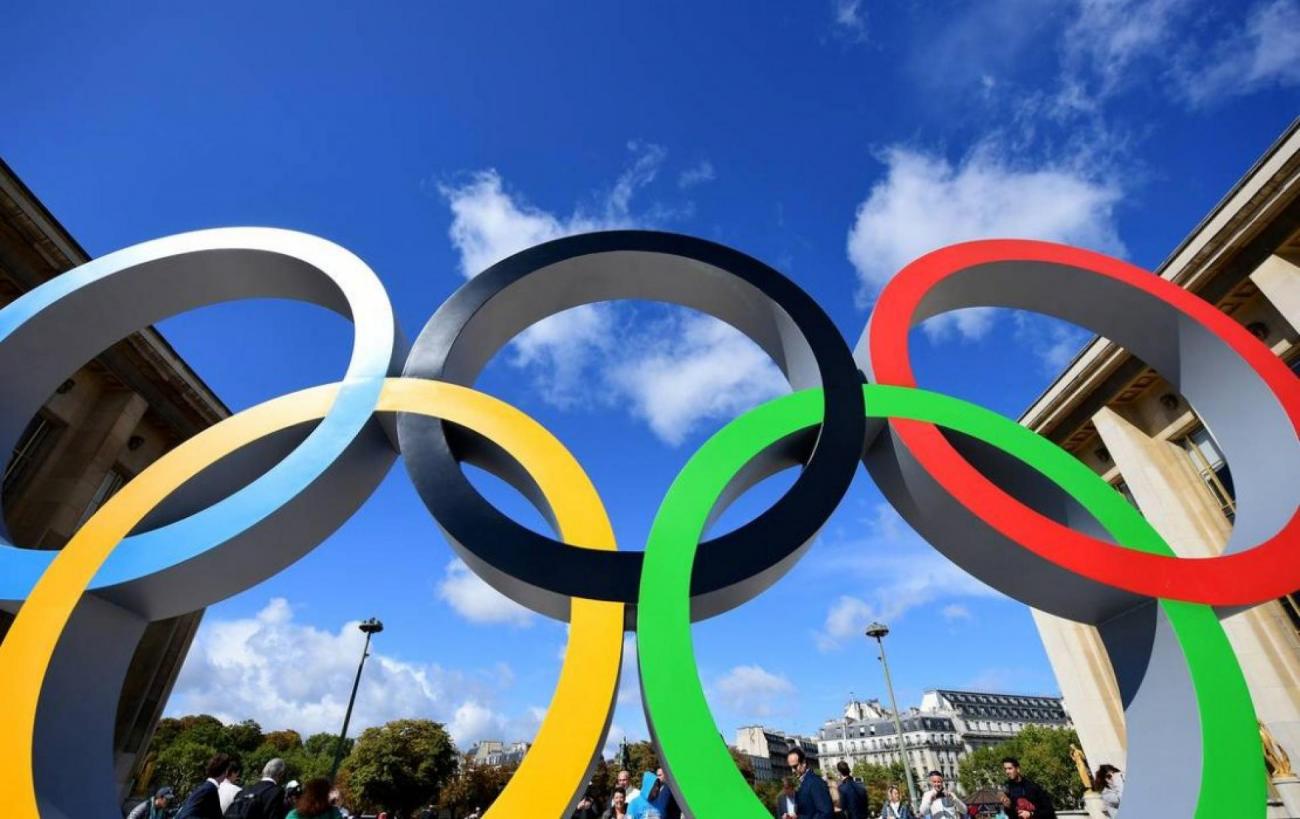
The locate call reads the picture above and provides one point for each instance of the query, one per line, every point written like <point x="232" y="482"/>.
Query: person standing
<point x="939" y="802"/>
<point x="617" y="805"/>
<point x="1028" y="800"/>
<point x="853" y="794"/>
<point x="1109" y="782"/>
<point x="624" y="781"/>
<point x="263" y="799"/>
<point x="813" y="798"/>
<point x="157" y="807"/>
<point x="204" y="801"/>
<point x="229" y="786"/>
<point x="315" y="801"/>
<point x="895" y="807"/>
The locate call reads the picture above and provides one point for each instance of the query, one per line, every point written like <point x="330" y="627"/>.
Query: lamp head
<point x="371" y="626"/>
<point x="877" y="631"/>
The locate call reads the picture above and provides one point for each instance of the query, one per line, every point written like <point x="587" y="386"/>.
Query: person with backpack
<point x="853" y="794"/>
<point x="263" y="799"/>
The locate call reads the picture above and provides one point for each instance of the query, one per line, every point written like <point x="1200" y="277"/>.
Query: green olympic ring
<point x="701" y="767"/>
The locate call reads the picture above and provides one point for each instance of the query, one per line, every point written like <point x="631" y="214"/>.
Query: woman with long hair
<point x="314" y="803"/>
<point x="1109" y="782"/>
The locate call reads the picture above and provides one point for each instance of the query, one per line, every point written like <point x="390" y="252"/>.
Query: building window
<point x="108" y="487"/>
<point x="1208" y="460"/>
<point x="33" y="445"/>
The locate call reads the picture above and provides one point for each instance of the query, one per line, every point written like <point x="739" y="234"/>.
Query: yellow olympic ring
<point x="579" y="713"/>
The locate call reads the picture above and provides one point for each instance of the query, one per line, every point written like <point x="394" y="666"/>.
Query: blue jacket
<point x="813" y="799"/>
<point x="853" y="799"/>
<point x="202" y="803"/>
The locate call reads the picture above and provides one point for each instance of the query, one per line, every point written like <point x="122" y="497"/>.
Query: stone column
<point x="1173" y="497"/>
<point x="1087" y="682"/>
<point x="1279" y="281"/>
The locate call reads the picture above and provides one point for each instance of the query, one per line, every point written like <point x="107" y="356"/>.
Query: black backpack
<point x="250" y="802"/>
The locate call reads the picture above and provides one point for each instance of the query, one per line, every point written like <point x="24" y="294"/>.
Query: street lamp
<point x="371" y="627"/>
<point x="877" y="632"/>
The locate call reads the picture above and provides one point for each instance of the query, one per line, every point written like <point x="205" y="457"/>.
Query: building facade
<point x="104" y="424"/>
<point x="948" y="725"/>
<point x="1128" y="424"/>
<point x="768" y="748"/>
<point x="496" y="752"/>
<point x="982" y="719"/>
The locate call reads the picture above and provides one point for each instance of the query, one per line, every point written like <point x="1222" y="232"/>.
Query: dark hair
<point x="1103" y="773"/>
<point x="234" y="767"/>
<point x="315" y="798"/>
<point x="842" y="767"/>
<point x="621" y="790"/>
<point x="935" y="773"/>
<point x="1012" y="760"/>
<point x="217" y="766"/>
<point x="797" y="751"/>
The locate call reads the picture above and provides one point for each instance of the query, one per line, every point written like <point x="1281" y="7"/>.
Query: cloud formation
<point x="753" y="692"/>
<point x="472" y="598"/>
<point x="287" y="674"/>
<point x="904" y="573"/>
<point x="925" y="202"/>
<point x="675" y="373"/>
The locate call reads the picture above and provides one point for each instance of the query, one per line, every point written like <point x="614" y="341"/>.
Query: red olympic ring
<point x="1265" y="571"/>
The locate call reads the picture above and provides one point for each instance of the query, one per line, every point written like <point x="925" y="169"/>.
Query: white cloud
<point x="472" y="598"/>
<point x="696" y="368"/>
<point x="1263" y="52"/>
<point x="1055" y="342"/>
<point x="682" y="371"/>
<point x="902" y="571"/>
<point x="850" y="19"/>
<point x="925" y="202"/>
<point x="1107" y="37"/>
<point x="287" y="674"/>
<point x="696" y="175"/>
<point x="955" y="611"/>
<point x="753" y="691"/>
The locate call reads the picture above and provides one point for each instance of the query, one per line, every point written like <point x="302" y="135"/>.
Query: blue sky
<point x="835" y="140"/>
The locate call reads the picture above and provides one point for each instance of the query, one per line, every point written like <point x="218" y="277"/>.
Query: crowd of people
<point x="221" y="796"/>
<point x="807" y="796"/>
<point x="653" y="799"/>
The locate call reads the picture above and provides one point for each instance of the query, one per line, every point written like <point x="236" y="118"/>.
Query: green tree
<point x="878" y="778"/>
<point x="474" y="786"/>
<point x="401" y="765"/>
<point x="323" y="744"/>
<point x="643" y="757"/>
<point x="284" y="740"/>
<point x="241" y="738"/>
<point x="1044" y="755"/>
<point x="181" y="764"/>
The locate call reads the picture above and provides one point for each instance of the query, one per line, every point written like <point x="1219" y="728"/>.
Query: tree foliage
<point x="878" y="778"/>
<point x="401" y="765"/>
<point x="1044" y="755"/>
<point x="181" y="747"/>
<point x="474" y="786"/>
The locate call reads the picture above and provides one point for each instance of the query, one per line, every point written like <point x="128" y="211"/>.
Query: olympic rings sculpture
<point x="243" y="499"/>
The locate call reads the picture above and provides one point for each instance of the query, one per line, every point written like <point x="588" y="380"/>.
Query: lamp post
<point x="877" y="632"/>
<point x="371" y="627"/>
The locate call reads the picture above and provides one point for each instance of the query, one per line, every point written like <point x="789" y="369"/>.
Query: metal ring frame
<point x="268" y="484"/>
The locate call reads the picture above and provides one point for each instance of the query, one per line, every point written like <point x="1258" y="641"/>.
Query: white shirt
<point x="946" y="807"/>
<point x="226" y="793"/>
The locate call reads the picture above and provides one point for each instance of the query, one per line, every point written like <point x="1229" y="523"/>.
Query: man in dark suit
<point x="204" y="801"/>
<point x="853" y="794"/>
<point x="813" y="799"/>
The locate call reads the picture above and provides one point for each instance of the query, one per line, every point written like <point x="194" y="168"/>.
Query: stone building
<point x="982" y="719"/>
<point x="767" y="749"/>
<point x="496" y="752"/>
<point x="104" y="424"/>
<point x="866" y="733"/>
<point x="1126" y="422"/>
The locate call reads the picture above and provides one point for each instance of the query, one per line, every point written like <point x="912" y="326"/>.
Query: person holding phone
<point x="938" y="802"/>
